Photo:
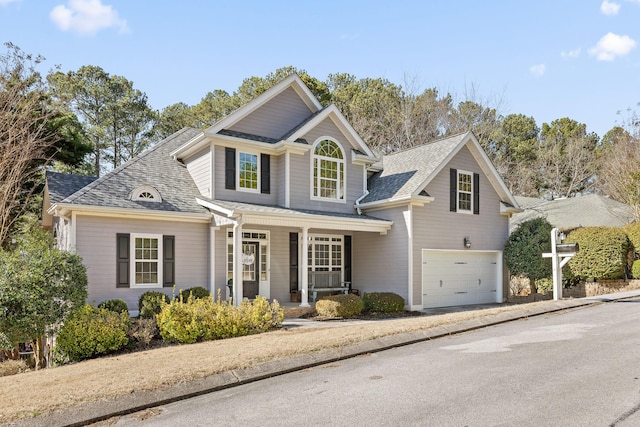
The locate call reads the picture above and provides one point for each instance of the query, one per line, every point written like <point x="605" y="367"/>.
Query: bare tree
<point x="24" y="140"/>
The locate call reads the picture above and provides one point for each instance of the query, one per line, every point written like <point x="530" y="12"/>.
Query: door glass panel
<point x="249" y="262"/>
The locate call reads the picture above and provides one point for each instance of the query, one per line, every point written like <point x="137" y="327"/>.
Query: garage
<point x="452" y="278"/>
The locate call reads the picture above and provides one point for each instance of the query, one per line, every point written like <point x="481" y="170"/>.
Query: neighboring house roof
<point x="154" y="167"/>
<point x="62" y="185"/>
<point x="573" y="212"/>
<point x="406" y="174"/>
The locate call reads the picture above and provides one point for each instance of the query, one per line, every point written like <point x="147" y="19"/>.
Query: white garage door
<point x="457" y="278"/>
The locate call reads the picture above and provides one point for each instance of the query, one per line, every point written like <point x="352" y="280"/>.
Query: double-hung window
<point x="328" y="171"/>
<point x="248" y="172"/>
<point x="147" y="260"/>
<point x="465" y="192"/>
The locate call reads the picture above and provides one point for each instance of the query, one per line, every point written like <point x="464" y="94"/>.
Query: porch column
<point x="305" y="268"/>
<point x="237" y="264"/>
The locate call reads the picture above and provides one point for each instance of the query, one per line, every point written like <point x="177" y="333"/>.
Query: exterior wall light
<point x="467" y="242"/>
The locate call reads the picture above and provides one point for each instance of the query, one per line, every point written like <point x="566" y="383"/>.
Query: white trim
<point x="63" y="209"/>
<point x="264" y="286"/>
<point x="458" y="191"/>
<point x="408" y="219"/>
<point x="291" y="81"/>
<point x="212" y="170"/>
<point x="258" y="183"/>
<point x="136" y="194"/>
<point x="302" y="219"/>
<point x="159" y="260"/>
<point x="287" y="179"/>
<point x="340" y="121"/>
<point x="212" y="261"/>
<point x="72" y="237"/>
<point x="341" y="184"/>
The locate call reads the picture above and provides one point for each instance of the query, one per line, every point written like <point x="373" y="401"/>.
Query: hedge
<point x="340" y="306"/>
<point x="603" y="253"/>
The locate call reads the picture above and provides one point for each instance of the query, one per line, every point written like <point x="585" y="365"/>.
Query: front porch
<point x="272" y="251"/>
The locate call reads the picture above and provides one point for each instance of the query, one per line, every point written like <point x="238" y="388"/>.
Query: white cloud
<point x="611" y="46"/>
<point x="609" y="8"/>
<point x="87" y="17"/>
<point x="571" y="53"/>
<point x="538" y="70"/>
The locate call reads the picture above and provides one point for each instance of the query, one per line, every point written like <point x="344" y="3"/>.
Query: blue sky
<point x="546" y="59"/>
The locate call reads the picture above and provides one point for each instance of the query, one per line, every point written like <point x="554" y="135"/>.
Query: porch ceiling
<point x="286" y="217"/>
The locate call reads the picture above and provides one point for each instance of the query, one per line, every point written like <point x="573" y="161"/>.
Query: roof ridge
<point x="435" y="141"/>
<point x="124" y="166"/>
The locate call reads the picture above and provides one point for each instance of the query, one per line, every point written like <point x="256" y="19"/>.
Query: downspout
<point x="357" y="203"/>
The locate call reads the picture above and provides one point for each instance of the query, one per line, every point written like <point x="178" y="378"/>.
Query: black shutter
<point x="476" y="194"/>
<point x="122" y="261"/>
<point x="169" y="261"/>
<point x="265" y="172"/>
<point x="453" y="190"/>
<point x="293" y="261"/>
<point x="347" y="259"/>
<point x="230" y="168"/>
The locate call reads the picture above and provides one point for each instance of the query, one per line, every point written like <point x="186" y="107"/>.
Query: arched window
<point x="146" y="193"/>
<point x="328" y="171"/>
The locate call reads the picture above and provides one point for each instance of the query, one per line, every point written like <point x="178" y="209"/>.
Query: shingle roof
<point x="573" y="212"/>
<point x="271" y="209"/>
<point x="248" y="136"/>
<point x="62" y="185"/>
<point x="404" y="172"/>
<point x="154" y="167"/>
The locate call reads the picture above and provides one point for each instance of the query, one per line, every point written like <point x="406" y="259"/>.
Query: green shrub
<point x="523" y="251"/>
<point x="116" y="305"/>
<point x="633" y="233"/>
<point x="635" y="269"/>
<point x="197" y="292"/>
<point x="544" y="285"/>
<point x="340" y="306"/>
<point x="151" y="303"/>
<point x="603" y="253"/>
<point x="91" y="332"/>
<point x="383" y="302"/>
<point x="196" y="320"/>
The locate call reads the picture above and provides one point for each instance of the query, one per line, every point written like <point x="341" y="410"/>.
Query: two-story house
<point x="281" y="194"/>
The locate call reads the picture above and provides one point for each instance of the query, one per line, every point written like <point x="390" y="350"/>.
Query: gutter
<point x="357" y="202"/>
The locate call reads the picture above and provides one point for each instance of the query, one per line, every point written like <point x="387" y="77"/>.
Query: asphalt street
<point x="569" y="368"/>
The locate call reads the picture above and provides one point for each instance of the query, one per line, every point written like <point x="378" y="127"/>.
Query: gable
<point x="276" y="117"/>
<point x="328" y="128"/>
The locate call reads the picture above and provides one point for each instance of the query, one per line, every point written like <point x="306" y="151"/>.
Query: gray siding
<point x="198" y="166"/>
<point x="244" y="196"/>
<point x="96" y="243"/>
<point x="301" y="174"/>
<point x="435" y="227"/>
<point x="380" y="262"/>
<point x="277" y="117"/>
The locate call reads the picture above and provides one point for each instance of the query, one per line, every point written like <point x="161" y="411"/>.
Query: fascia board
<point x="334" y="113"/>
<point x="63" y="209"/>
<point x="393" y="202"/>
<point x="217" y="208"/>
<point x="263" y="98"/>
<point x="188" y="147"/>
<point x="318" y="222"/>
<point x="263" y="147"/>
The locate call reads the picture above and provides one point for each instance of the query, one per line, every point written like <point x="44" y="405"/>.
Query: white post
<point x="556" y="268"/>
<point x="238" y="290"/>
<point x="304" y="301"/>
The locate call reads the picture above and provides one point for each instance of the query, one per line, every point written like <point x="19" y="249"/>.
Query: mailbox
<point x="567" y="248"/>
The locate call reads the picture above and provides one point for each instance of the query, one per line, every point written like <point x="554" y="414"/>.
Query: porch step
<point x="294" y="312"/>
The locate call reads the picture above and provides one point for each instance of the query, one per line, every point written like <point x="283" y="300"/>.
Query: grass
<point x="43" y="391"/>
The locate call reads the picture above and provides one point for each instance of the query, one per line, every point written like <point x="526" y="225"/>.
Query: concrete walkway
<point x="94" y="412"/>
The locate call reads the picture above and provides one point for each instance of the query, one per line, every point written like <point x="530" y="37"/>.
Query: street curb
<point x="109" y="408"/>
